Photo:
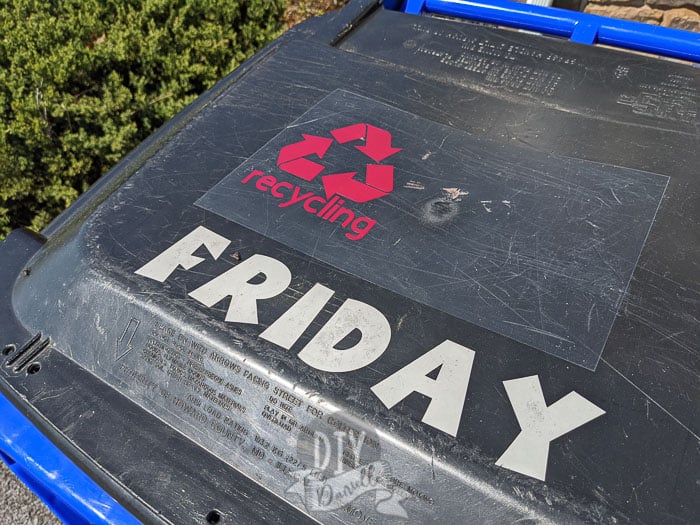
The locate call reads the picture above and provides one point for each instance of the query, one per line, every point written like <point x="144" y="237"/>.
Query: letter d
<point x="321" y="352"/>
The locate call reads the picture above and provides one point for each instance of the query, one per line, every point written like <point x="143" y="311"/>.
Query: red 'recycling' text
<point x="331" y="210"/>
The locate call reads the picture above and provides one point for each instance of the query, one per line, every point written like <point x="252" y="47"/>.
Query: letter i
<point x="327" y="206"/>
<point x="333" y="209"/>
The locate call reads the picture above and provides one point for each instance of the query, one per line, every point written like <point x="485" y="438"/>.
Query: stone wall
<point x="682" y="14"/>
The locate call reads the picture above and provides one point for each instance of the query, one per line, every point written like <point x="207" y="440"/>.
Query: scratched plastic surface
<point x="533" y="246"/>
<point x="179" y="413"/>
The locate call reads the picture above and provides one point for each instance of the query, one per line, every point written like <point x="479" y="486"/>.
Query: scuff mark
<point x="590" y="315"/>
<point x="540" y="331"/>
<point x="399" y="324"/>
<point x="455" y="194"/>
<point x="414" y="185"/>
<point x="615" y="196"/>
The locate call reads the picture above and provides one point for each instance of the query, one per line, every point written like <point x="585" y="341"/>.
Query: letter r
<point x="541" y="424"/>
<point x="235" y="283"/>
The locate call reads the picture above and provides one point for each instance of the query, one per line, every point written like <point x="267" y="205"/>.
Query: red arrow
<point x="345" y="185"/>
<point x="381" y="177"/>
<point x="378" y="146"/>
<point x="311" y="144"/>
<point x="349" y="133"/>
<point x="303" y="168"/>
<point x="377" y="140"/>
<point x="292" y="156"/>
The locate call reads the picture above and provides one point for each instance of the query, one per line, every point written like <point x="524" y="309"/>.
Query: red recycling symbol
<point x="379" y="178"/>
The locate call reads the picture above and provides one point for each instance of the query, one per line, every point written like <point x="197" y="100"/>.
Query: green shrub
<point x="84" y="81"/>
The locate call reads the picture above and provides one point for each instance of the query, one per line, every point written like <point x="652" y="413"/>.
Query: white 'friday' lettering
<point x="540" y="424"/>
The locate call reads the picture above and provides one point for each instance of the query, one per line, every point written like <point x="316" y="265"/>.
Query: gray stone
<point x="674" y="3"/>
<point x="640" y="14"/>
<point x="687" y="19"/>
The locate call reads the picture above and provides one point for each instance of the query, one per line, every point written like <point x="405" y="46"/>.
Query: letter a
<point x="447" y="391"/>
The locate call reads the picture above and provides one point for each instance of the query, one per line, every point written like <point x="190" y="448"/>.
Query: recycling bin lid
<point x="393" y="269"/>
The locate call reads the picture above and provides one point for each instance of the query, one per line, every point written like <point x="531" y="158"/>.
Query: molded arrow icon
<point x="292" y="158"/>
<point x="125" y="341"/>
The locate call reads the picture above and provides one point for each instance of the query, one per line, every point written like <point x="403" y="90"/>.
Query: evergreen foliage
<point x="84" y="81"/>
